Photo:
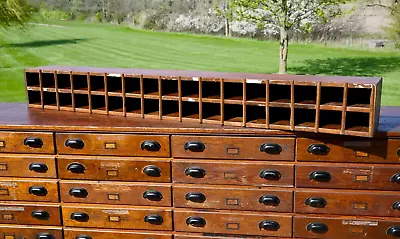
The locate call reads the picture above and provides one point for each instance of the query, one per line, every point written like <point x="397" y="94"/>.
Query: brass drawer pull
<point x="33" y="142"/>
<point x="320" y="176"/>
<point x="38" y="190"/>
<point x="271" y="148"/>
<point x="319" y="228"/>
<point x="269" y="225"/>
<point x="38" y="167"/>
<point x="195" y="146"/>
<point x="80" y="216"/>
<point x="318" y="149"/>
<point x="269" y="200"/>
<point x="195" y="197"/>
<point x="40" y="215"/>
<point x="75" y="143"/>
<point x="154" y="219"/>
<point x="196" y="222"/>
<point x="150" y="145"/>
<point x="270" y="175"/>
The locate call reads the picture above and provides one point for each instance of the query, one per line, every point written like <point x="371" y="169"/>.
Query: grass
<point x="74" y="43"/>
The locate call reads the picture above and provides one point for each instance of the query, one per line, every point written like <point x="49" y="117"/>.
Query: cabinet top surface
<point x="17" y="116"/>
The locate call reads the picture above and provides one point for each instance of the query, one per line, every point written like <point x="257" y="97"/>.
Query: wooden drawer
<point x="219" y="147"/>
<point x="122" y="217"/>
<point x="26" y="142"/>
<point x="365" y="203"/>
<point x="344" y="227"/>
<point x="31" y="166"/>
<point x="113" y="144"/>
<point x="348" y="176"/>
<point x="29" y="232"/>
<point x="233" y="173"/>
<point x="116" y="193"/>
<point x="393" y="151"/>
<point x="114" y="169"/>
<point x="200" y="236"/>
<point x="234" y="198"/>
<point x="342" y="150"/>
<point x="242" y="223"/>
<point x="29" y="190"/>
<point x="30" y="214"/>
<point x="74" y="233"/>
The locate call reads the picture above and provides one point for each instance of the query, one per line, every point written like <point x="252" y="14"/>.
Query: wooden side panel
<point x="19" y="190"/>
<point x="13" y="142"/>
<point x="39" y="166"/>
<point x="393" y="151"/>
<point x="24" y="214"/>
<point x="72" y="233"/>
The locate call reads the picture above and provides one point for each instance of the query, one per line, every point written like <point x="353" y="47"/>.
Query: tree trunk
<point x="284" y="50"/>
<point x="228" y="31"/>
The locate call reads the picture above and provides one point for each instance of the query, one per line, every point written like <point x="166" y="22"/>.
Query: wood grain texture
<point x="13" y="142"/>
<point x="224" y="236"/>
<point x="18" y="190"/>
<point x="28" y="232"/>
<point x="17" y="165"/>
<point x="21" y="213"/>
<point x="72" y="233"/>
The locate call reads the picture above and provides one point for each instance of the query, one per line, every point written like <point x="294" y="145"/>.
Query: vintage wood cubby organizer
<point x="320" y="104"/>
<point x="71" y="175"/>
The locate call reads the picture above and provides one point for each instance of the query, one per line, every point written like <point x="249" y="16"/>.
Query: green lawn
<point x="72" y="43"/>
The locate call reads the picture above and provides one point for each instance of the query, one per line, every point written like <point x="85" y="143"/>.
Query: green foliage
<point x="394" y="28"/>
<point x="14" y="12"/>
<point x="54" y="14"/>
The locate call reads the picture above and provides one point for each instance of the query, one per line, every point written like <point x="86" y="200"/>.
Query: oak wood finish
<point x="73" y="233"/>
<point x="29" y="232"/>
<point x="29" y="166"/>
<point x="13" y="142"/>
<point x="30" y="214"/>
<point x="19" y="190"/>
<point x="211" y="236"/>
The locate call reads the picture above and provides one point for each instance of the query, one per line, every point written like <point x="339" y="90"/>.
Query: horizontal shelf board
<point x="358" y="129"/>
<point x="328" y="130"/>
<point x="130" y="95"/>
<point x="305" y="106"/>
<point x="81" y="92"/>
<point x="233" y="102"/>
<point x="331" y="107"/>
<point x="155" y="97"/>
<point x="304" y="128"/>
<point x="49" y="89"/>
<point x="359" y="108"/>
<point x="208" y="100"/>
<point x="279" y="104"/>
<point x="279" y="127"/>
<point x="173" y="115"/>
<point x="64" y="90"/>
<point x="101" y="93"/>
<point x="190" y="99"/>
<point x="33" y="88"/>
<point x="115" y="94"/>
<point x="33" y="105"/>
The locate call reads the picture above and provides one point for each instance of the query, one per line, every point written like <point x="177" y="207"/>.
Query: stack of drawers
<point x="65" y="181"/>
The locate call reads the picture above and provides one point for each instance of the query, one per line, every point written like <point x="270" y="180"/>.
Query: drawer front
<point x="30" y="214"/>
<point x="278" y="225"/>
<point x="29" y="190"/>
<point x="233" y="173"/>
<point x="74" y="233"/>
<point x="114" y="169"/>
<point x="348" y="176"/>
<point x="219" y="147"/>
<point x="199" y="236"/>
<point x="393" y="151"/>
<point x="248" y="199"/>
<point x="333" y="150"/>
<point x="113" y="144"/>
<point x="27" y="166"/>
<point x="116" y="193"/>
<point x="117" y="217"/>
<point x="370" y="203"/>
<point x="344" y="227"/>
<point x="26" y="142"/>
<point x="28" y="232"/>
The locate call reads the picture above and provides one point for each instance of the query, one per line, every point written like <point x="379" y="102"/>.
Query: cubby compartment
<point x="48" y="80"/>
<point x="114" y="84"/>
<point x="233" y="92"/>
<point x="256" y="116"/>
<point x="211" y="113"/>
<point x="279" y="95"/>
<point x="150" y="88"/>
<point x="190" y="111"/>
<point x="233" y="115"/>
<point x="97" y="84"/>
<point x="330" y="121"/>
<point x="63" y="82"/>
<point x="211" y="91"/>
<point x="170" y="90"/>
<point x="80" y="82"/>
<point x="151" y="108"/>
<point x="357" y="121"/>
<point x="190" y="90"/>
<point x="331" y="98"/>
<point x="133" y="107"/>
<point x="34" y="99"/>
<point x="115" y="105"/>
<point x="65" y="100"/>
<point x="98" y="103"/>
<point x="279" y="118"/>
<point x="32" y="79"/>
<point x="305" y="96"/>
<point x="305" y="118"/>
<point x="132" y="87"/>
<point x="81" y="102"/>
<point x="50" y="100"/>
<point x="359" y="98"/>
<point x="170" y="109"/>
<point x="256" y="94"/>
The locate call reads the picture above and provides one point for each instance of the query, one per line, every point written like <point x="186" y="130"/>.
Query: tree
<point x="287" y="15"/>
<point x="14" y="12"/>
<point x="226" y="10"/>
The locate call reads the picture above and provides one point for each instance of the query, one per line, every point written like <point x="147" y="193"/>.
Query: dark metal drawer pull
<point x="318" y="149"/>
<point x="152" y="171"/>
<point x="269" y="200"/>
<point x="76" y="168"/>
<point x="83" y="237"/>
<point x="269" y="225"/>
<point x="75" y="143"/>
<point x="195" y="146"/>
<point x="195" y="197"/>
<point x="154" y="219"/>
<point x="270" y="175"/>
<point x="44" y="236"/>
<point x="38" y="190"/>
<point x="196" y="222"/>
<point x="33" y="142"/>
<point x="150" y="145"/>
<point x="80" y="216"/>
<point x="153" y="195"/>
<point x="396" y="205"/>
<point x="78" y="192"/>
<point x="271" y="148"/>
<point x="393" y="231"/>
<point x="320" y="176"/>
<point x="319" y="228"/>
<point x="316" y="202"/>
<point x="40" y="215"/>
<point x="396" y="178"/>
<point x="38" y="167"/>
<point x="195" y="172"/>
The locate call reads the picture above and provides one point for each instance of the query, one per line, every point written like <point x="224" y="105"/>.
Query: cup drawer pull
<point x="269" y="200"/>
<point x="38" y="190"/>
<point x="153" y="195"/>
<point x="195" y="197"/>
<point x="78" y="192"/>
<point x="38" y="167"/>
<point x="269" y="225"/>
<point x="80" y="216"/>
<point x="394" y="231"/>
<point x="195" y="172"/>
<point x="320" y="176"/>
<point x="154" y="219"/>
<point x="196" y="222"/>
<point x="319" y="228"/>
<point x="318" y="149"/>
<point x="152" y="171"/>
<point x="316" y="202"/>
<point x="271" y="148"/>
<point x="270" y="175"/>
<point x="44" y="236"/>
<point x="150" y="145"/>
<point x="75" y="143"/>
<point x="33" y="142"/>
<point x="195" y="146"/>
<point x="40" y="215"/>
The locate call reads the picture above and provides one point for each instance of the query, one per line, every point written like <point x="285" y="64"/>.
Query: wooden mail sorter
<point x="81" y="176"/>
<point x="320" y="104"/>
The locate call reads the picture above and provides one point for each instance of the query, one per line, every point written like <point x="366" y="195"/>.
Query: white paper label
<point x="196" y="78"/>
<point x="114" y="75"/>
<point x="360" y="223"/>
